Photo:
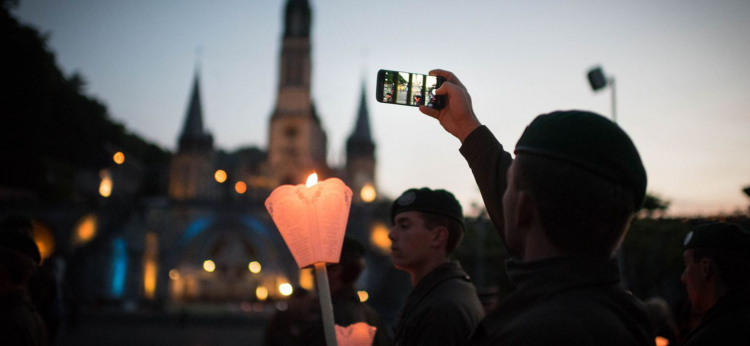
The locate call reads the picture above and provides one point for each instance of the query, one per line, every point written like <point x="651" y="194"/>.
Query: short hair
<point x="733" y="266"/>
<point x="581" y="212"/>
<point x="455" y="228"/>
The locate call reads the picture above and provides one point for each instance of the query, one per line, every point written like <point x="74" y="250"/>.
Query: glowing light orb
<point x="174" y="274"/>
<point x="240" y="187"/>
<point x="363" y="296"/>
<point x="286" y="289"/>
<point x="262" y="293"/>
<point x="254" y="267"/>
<point x="379" y="238"/>
<point x="105" y="187"/>
<point x="368" y="193"/>
<point x="119" y="158"/>
<point x="220" y="176"/>
<point x="209" y="266"/>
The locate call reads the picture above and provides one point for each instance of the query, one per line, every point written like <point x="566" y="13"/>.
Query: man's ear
<point x="439" y="237"/>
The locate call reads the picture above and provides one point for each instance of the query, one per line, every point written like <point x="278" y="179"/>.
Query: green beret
<point x="352" y="249"/>
<point x="428" y="201"/>
<point x="721" y="235"/>
<point x="589" y="141"/>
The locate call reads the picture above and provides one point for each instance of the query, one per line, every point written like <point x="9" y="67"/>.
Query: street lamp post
<point x="599" y="81"/>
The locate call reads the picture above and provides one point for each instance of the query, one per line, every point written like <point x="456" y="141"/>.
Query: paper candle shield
<point x="358" y="334"/>
<point x="312" y="220"/>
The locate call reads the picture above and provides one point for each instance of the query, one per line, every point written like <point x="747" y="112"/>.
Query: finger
<point x="429" y="111"/>
<point x="448" y="75"/>
<point x="446" y="88"/>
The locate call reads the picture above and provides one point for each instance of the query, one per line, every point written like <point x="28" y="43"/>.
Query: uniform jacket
<point x="560" y="301"/>
<point x="443" y="309"/>
<point x="726" y="323"/>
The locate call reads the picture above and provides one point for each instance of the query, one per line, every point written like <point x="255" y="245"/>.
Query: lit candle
<point x="357" y="334"/>
<point x="312" y="220"/>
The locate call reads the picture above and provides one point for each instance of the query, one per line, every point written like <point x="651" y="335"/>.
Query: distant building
<point x="202" y="234"/>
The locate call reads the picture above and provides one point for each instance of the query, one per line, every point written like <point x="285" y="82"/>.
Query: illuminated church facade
<point x="208" y="239"/>
<point x="218" y="227"/>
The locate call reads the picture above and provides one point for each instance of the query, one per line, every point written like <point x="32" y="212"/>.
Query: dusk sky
<point x="681" y="69"/>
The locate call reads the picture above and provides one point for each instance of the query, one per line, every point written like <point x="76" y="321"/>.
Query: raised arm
<point x="488" y="161"/>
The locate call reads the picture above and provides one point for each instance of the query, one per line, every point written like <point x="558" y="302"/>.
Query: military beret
<point x="722" y="235"/>
<point x="428" y="201"/>
<point x="589" y="141"/>
<point x="352" y="248"/>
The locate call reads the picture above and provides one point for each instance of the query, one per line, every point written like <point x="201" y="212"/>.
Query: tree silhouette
<point x="654" y="205"/>
<point x="51" y="129"/>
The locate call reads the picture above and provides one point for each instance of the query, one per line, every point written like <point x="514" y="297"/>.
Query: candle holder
<point x="312" y="221"/>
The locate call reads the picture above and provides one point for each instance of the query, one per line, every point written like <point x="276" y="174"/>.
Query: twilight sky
<point x="682" y="72"/>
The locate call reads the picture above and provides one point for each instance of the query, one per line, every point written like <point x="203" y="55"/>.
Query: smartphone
<point x="409" y="89"/>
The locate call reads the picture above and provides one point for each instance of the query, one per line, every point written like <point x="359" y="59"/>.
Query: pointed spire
<point x="193" y="135"/>
<point x="359" y="143"/>
<point x="194" y="117"/>
<point x="362" y="127"/>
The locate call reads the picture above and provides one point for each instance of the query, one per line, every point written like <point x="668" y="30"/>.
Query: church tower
<point x="297" y="143"/>
<point x="360" y="152"/>
<point x="191" y="169"/>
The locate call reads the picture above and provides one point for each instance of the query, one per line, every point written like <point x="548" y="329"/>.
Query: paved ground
<point x="146" y="329"/>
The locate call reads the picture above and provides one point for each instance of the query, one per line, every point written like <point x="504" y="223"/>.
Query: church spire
<point x="193" y="135"/>
<point x="362" y="127"/>
<point x="360" y="141"/>
<point x="297" y="19"/>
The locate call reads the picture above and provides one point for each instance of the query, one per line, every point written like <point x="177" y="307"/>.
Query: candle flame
<point x="312" y="180"/>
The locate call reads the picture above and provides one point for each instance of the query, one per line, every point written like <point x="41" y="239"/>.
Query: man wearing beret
<point x="443" y="308"/>
<point x="562" y="208"/>
<point x="717" y="277"/>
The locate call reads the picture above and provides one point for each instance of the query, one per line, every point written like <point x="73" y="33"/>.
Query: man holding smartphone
<point x="562" y="208"/>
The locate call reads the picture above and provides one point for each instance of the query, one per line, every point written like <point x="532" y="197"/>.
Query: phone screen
<point x="410" y="89"/>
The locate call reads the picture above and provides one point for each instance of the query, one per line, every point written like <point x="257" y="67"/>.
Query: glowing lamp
<point x="254" y="267"/>
<point x="209" y="266"/>
<point x="174" y="274"/>
<point x="312" y="220"/>
<point x="220" y="176"/>
<point x="368" y="193"/>
<point x="240" y="187"/>
<point x="262" y="293"/>
<point x="363" y="296"/>
<point x="357" y="334"/>
<point x="286" y="289"/>
<point x="105" y="187"/>
<point x="119" y="158"/>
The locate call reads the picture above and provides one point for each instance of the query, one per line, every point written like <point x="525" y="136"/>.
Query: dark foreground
<point x="163" y="328"/>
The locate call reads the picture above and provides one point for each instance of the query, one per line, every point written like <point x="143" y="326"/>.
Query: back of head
<point x="437" y="208"/>
<point x="728" y="245"/>
<point x="586" y="178"/>
<point x="19" y="255"/>
<point x="351" y="261"/>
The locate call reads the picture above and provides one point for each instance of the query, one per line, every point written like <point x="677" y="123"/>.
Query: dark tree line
<point x="50" y="128"/>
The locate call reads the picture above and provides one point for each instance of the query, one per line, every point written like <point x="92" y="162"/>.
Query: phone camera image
<point x="408" y="89"/>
